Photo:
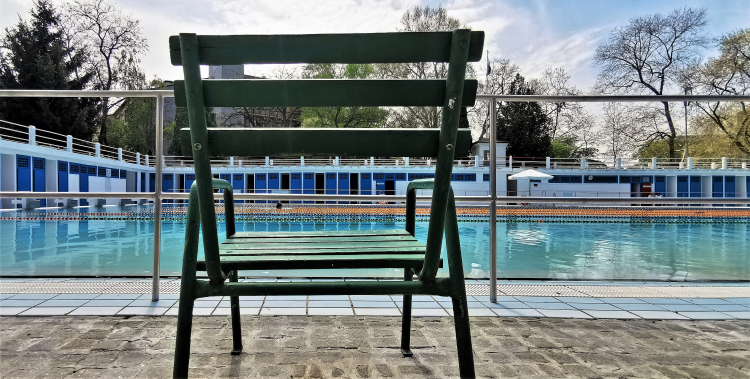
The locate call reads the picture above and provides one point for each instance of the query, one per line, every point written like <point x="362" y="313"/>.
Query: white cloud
<point x="574" y="53"/>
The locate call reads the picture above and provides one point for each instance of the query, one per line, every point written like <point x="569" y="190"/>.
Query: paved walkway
<point x="367" y="347"/>
<point x="556" y="299"/>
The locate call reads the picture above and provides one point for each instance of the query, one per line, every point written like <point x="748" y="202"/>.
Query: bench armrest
<point x="411" y="200"/>
<point x="228" y="201"/>
<point x="431" y="257"/>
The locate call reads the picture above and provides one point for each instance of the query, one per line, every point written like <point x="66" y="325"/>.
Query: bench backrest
<point x="456" y="48"/>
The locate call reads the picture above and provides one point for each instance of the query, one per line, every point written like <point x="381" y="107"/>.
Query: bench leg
<point x="184" y="329"/>
<point x="463" y="337"/>
<point x="406" y="319"/>
<point x="236" y="327"/>
<point x="460" y="306"/>
<point x="187" y="292"/>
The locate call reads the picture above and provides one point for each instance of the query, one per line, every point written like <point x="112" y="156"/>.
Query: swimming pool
<point x="560" y="250"/>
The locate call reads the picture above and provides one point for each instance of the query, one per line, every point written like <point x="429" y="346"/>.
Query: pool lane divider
<point x="395" y="213"/>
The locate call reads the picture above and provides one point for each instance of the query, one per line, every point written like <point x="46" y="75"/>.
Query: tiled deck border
<point x="558" y="299"/>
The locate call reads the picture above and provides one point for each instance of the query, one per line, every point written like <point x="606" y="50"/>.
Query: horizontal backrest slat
<point x="324" y="93"/>
<point x="343" y="142"/>
<point x="326" y="48"/>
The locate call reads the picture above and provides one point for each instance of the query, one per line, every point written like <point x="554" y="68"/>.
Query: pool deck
<point x="518" y="298"/>
<point x="109" y="328"/>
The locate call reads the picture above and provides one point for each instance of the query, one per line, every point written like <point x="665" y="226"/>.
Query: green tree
<point x="172" y="131"/>
<point x="524" y="125"/>
<point x="133" y="125"/>
<point x="341" y="117"/>
<point x="36" y="55"/>
<point x="728" y="74"/>
<point x="568" y="147"/>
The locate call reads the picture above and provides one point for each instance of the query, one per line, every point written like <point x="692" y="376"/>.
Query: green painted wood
<point x="342" y="142"/>
<point x="325" y="93"/>
<point x="444" y="165"/>
<point x="323" y="250"/>
<point x="321" y="233"/>
<point x="316" y="262"/>
<point x="326" y="48"/>
<point x="199" y="138"/>
<point x="228" y="199"/>
<point x="236" y="323"/>
<point x="440" y="287"/>
<point x="187" y="288"/>
<point x="300" y="253"/>
<point x="282" y="245"/>
<point x="411" y="201"/>
<point x="308" y="240"/>
<point x="460" y="304"/>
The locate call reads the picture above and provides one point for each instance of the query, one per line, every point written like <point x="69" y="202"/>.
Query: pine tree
<point x="36" y="55"/>
<point x="524" y="125"/>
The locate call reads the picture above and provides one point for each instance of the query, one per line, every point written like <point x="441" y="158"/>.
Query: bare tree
<point x="421" y="20"/>
<point x="648" y="55"/>
<point x="729" y="74"/>
<point x="618" y="129"/>
<point x="268" y="117"/>
<point x="114" y="44"/>
<point x="566" y="117"/>
<point x="502" y="73"/>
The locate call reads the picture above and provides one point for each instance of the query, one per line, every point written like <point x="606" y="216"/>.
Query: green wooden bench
<point x="324" y="249"/>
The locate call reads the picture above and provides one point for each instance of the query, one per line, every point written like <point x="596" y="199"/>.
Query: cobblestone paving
<point x="368" y="347"/>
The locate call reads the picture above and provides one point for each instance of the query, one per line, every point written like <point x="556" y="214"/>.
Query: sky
<point x="534" y="34"/>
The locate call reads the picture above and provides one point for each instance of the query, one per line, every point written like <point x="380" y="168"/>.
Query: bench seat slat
<point x="391" y="248"/>
<point x="322" y="233"/>
<point x="321" y="245"/>
<point x="326" y="48"/>
<point x="325" y="92"/>
<point x="307" y="240"/>
<point x="342" y="142"/>
<point x="313" y="262"/>
<point x="301" y="253"/>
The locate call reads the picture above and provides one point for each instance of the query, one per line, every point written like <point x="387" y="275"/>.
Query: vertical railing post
<point x="157" y="197"/>
<point x="654" y="163"/>
<point x="97" y="150"/>
<point x="619" y="163"/>
<point x="119" y="154"/>
<point x="724" y="163"/>
<point x="690" y="163"/>
<point x="493" y="201"/>
<point x="548" y="163"/>
<point x="32" y="135"/>
<point x="69" y="143"/>
<point x="302" y="161"/>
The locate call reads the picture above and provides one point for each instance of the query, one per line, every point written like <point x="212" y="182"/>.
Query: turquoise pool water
<point x="639" y="251"/>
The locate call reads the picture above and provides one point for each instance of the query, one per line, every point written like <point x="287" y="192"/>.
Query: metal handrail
<point x="611" y="98"/>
